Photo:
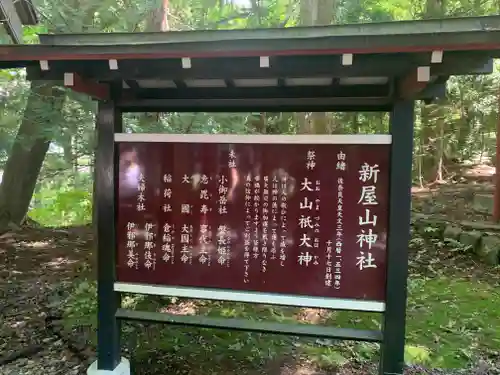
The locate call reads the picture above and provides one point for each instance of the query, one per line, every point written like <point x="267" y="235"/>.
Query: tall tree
<point x="28" y="152"/>
<point x="41" y="118"/>
<point x="315" y="13"/>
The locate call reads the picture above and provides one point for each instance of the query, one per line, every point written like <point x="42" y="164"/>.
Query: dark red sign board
<point x="277" y="218"/>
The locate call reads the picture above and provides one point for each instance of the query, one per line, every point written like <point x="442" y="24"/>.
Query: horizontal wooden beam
<point x="409" y="87"/>
<point x="368" y="65"/>
<point x="94" y="89"/>
<point x="237" y="93"/>
<point x="418" y="79"/>
<point x="241" y="67"/>
<point x="302" y="330"/>
<point x="256" y="105"/>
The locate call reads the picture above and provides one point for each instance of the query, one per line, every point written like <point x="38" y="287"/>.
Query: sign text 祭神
<point x="277" y="218"/>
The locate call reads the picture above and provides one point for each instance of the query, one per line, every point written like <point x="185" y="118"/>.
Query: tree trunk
<point x="67" y="145"/>
<point x="355" y="123"/>
<point x="381" y="123"/>
<point x="260" y="123"/>
<point x="435" y="9"/>
<point x="42" y="114"/>
<point x="324" y="14"/>
<point x="28" y="152"/>
<point x="316" y="13"/>
<point x="159" y="18"/>
<point x="440" y="151"/>
<point x="320" y="123"/>
<point x="420" y="163"/>
<point x="307" y="12"/>
<point x="303" y="124"/>
<point x="157" y="21"/>
<point x="496" y="203"/>
<point x="428" y="147"/>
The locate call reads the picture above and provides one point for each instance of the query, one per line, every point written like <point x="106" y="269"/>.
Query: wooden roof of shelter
<point x="359" y="67"/>
<point x="14" y="14"/>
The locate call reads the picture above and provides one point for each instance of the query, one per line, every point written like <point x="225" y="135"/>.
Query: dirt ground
<point x="39" y="265"/>
<point x="454" y="199"/>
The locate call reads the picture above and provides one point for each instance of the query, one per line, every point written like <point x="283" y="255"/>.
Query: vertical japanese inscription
<point x="141" y="192"/>
<point x="132" y="254"/>
<point x="265" y="222"/>
<point x="247" y="228"/>
<point x="309" y="215"/>
<point x="205" y="228"/>
<point x="256" y="217"/>
<point x="341" y="167"/>
<point x="283" y="218"/>
<point x="186" y="230"/>
<point x="274" y="217"/>
<point x="223" y="234"/>
<point x="293" y="222"/>
<point x="168" y="245"/>
<point x="149" y="247"/>
<point x="368" y="175"/>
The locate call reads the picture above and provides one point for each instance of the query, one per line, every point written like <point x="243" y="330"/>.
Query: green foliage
<point x="417" y="355"/>
<point x="450" y="321"/>
<point x="187" y="346"/>
<point x="62" y="207"/>
<point x="80" y="308"/>
<point x="326" y="357"/>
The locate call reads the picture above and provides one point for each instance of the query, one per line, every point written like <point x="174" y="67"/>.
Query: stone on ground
<point x="483" y="203"/>
<point x="489" y="251"/>
<point x="471" y="239"/>
<point x="452" y="232"/>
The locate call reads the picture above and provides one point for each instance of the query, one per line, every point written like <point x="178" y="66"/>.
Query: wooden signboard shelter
<point x="15" y="14"/>
<point x="318" y="221"/>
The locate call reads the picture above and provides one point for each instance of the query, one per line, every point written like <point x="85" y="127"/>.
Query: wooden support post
<point x="109" y="122"/>
<point x="401" y="128"/>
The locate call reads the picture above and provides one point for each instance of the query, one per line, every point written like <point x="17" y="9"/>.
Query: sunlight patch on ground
<point x="300" y="370"/>
<point x="481" y="170"/>
<point x="35" y="244"/>
<point x="183" y="308"/>
<point x="313" y="316"/>
<point x="17" y="324"/>
<point x="59" y="262"/>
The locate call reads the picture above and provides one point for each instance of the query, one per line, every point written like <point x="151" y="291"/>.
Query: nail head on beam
<point x="437" y="57"/>
<point x="69" y="79"/>
<point x="423" y="74"/>
<point x="264" y="62"/>
<point x="44" y="65"/>
<point x="186" y="63"/>
<point x="347" y="58"/>
<point x="113" y="64"/>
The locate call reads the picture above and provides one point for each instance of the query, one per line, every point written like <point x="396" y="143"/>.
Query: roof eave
<point x="386" y="29"/>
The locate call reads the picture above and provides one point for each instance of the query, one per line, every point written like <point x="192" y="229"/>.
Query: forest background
<point x="47" y="134"/>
